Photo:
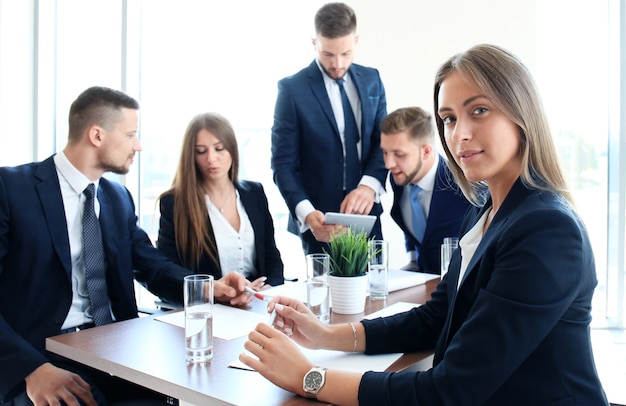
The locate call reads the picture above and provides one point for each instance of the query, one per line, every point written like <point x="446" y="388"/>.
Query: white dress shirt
<point x="469" y="242"/>
<point x="236" y="249"/>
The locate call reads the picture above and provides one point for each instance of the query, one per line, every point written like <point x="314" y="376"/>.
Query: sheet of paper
<point x="296" y="290"/>
<point x="400" y="279"/>
<point x="228" y="322"/>
<point x="390" y="310"/>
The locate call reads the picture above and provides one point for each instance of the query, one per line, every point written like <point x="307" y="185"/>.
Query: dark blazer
<point x="268" y="262"/>
<point x="517" y="330"/>
<point x="307" y="153"/>
<point x="35" y="268"/>
<point x="447" y="209"/>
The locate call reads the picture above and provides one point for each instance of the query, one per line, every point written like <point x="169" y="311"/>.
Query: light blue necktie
<point x="95" y="264"/>
<point x="418" y="219"/>
<point x="351" y="137"/>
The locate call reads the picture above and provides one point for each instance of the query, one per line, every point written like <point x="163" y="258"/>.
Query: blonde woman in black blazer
<point x="509" y="323"/>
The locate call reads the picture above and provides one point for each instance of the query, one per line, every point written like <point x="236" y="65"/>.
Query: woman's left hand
<point x="278" y="358"/>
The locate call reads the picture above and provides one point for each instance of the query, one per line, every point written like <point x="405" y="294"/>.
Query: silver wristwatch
<point x="313" y="381"/>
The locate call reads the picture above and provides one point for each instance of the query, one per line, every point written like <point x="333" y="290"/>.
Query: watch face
<point x="313" y="380"/>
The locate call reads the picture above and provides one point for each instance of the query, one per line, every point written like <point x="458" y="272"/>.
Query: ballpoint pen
<point x="256" y="294"/>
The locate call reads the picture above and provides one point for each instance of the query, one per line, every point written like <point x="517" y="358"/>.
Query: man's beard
<point x="413" y="174"/>
<point x="330" y="75"/>
<point x="107" y="165"/>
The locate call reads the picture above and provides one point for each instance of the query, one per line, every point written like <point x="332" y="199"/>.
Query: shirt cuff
<point x="373" y="183"/>
<point x="303" y="209"/>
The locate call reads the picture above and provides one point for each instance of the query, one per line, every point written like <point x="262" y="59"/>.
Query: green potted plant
<point x="349" y="258"/>
<point x="348" y="254"/>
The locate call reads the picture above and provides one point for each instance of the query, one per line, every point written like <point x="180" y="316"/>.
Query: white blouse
<point x="235" y="247"/>
<point x="469" y="242"/>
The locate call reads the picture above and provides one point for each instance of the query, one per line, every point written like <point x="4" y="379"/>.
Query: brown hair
<point x="415" y="120"/>
<point x="97" y="106"/>
<point x="335" y="20"/>
<point x="192" y="228"/>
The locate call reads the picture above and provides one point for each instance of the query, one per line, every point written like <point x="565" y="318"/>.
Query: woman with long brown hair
<point x="212" y="222"/>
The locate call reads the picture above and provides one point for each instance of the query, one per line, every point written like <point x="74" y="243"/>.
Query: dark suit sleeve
<point x="274" y="267"/>
<point x="18" y="357"/>
<point x="537" y="287"/>
<point x="166" y="241"/>
<point x="286" y="148"/>
<point x="155" y="271"/>
<point x="131" y="248"/>
<point x="408" y="242"/>
<point x="268" y="261"/>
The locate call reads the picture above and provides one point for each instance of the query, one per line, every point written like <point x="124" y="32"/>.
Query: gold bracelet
<point x="354" y="334"/>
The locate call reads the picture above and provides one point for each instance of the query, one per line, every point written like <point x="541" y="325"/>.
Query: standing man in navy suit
<point x="326" y="157"/>
<point x="420" y="180"/>
<point x="44" y="278"/>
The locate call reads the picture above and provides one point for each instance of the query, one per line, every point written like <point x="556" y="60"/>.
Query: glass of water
<point x="447" y="248"/>
<point x="378" y="269"/>
<point x="198" y="301"/>
<point x="317" y="288"/>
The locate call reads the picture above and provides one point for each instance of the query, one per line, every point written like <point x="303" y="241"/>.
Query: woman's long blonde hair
<point x="507" y="83"/>
<point x="192" y="227"/>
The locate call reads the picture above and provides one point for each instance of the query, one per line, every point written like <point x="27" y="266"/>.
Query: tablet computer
<point x="357" y="222"/>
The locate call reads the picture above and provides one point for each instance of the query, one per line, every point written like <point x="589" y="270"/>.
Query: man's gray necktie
<point x="95" y="264"/>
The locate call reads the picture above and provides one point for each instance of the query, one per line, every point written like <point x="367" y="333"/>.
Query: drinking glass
<point x="198" y="302"/>
<point x="447" y="248"/>
<point x="317" y="289"/>
<point x="378" y="269"/>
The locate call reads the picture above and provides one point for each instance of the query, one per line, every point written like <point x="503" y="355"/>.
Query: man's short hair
<point x="97" y="106"/>
<point x="415" y="120"/>
<point x="335" y="20"/>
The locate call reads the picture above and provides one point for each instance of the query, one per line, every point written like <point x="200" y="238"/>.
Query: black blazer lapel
<point x="251" y="205"/>
<point x="316" y="82"/>
<point x="517" y="193"/>
<point x="49" y="192"/>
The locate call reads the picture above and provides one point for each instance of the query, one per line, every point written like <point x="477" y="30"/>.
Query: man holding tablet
<point x="326" y="133"/>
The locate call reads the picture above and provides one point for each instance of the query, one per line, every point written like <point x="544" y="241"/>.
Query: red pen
<point x="257" y="294"/>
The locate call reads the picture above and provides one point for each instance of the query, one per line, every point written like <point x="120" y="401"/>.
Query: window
<point x="184" y="58"/>
<point x="573" y="73"/>
<point x="205" y="60"/>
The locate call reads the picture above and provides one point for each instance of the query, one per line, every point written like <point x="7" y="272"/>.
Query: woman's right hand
<point x="296" y="320"/>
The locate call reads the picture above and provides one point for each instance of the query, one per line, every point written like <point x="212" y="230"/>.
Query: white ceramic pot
<point x="347" y="294"/>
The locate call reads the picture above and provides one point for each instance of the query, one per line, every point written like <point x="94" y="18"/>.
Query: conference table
<point x="151" y="353"/>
